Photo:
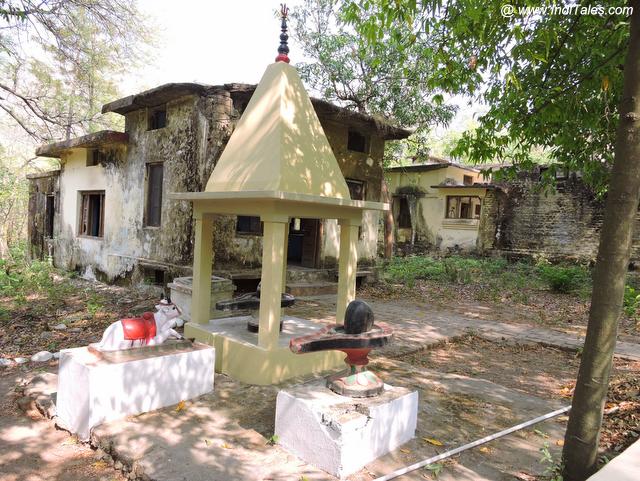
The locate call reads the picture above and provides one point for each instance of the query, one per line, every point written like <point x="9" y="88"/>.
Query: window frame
<point x="92" y="153"/>
<point x="86" y="212"/>
<point x="258" y="232"/>
<point x="152" y="112"/>
<point x="361" y="183"/>
<point x="366" y="139"/>
<point x="147" y="194"/>
<point x="458" y="215"/>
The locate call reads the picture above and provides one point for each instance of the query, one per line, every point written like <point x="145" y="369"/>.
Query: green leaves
<point x="540" y="75"/>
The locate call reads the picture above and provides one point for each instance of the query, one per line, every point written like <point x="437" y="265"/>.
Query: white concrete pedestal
<point x="339" y="434"/>
<point x="95" y="388"/>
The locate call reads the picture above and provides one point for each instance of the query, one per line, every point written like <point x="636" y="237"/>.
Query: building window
<point x="95" y="157"/>
<point x="153" y="204"/>
<point x="356" y="189"/>
<point x="356" y="142"/>
<point x="404" y="214"/>
<point x="157" y="118"/>
<point x="247" y="224"/>
<point x="463" y="207"/>
<point x="92" y="214"/>
<point x="467" y="179"/>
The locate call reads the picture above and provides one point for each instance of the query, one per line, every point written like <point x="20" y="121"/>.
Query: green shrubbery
<point x="564" y="279"/>
<point x="495" y="273"/>
<point x="631" y="304"/>
<point x="20" y="278"/>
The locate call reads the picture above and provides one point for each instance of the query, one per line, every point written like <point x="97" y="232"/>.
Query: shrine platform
<point x="239" y="355"/>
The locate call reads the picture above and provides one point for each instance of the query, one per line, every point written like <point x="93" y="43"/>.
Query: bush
<point x="631" y="304"/>
<point x="564" y="279"/>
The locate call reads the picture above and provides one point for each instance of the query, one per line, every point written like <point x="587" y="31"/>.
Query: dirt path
<point x="31" y="449"/>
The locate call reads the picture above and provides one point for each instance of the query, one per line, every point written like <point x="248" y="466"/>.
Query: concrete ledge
<point x="93" y="390"/>
<point x="625" y="467"/>
<point x="239" y="356"/>
<point x="339" y="434"/>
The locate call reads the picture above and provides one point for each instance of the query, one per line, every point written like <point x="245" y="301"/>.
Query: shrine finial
<point x="283" y="49"/>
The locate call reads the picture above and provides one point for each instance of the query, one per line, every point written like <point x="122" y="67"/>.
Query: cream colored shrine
<point x="278" y="165"/>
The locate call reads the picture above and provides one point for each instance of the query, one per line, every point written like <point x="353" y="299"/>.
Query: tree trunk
<point x="388" y="222"/>
<point x="583" y="432"/>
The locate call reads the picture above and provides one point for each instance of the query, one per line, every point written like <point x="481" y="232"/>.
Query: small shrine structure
<point x="277" y="165"/>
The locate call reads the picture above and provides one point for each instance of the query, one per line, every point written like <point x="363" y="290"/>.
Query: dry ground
<point x="533" y="306"/>
<point x="87" y="308"/>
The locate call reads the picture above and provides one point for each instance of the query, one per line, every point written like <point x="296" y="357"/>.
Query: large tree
<point x="60" y="60"/>
<point x="390" y="79"/>
<point x="554" y="79"/>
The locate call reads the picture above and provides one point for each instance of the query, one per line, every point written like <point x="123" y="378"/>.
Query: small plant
<point x="553" y="470"/>
<point x="273" y="440"/>
<point x="435" y="469"/>
<point x="94" y="305"/>
<point x="631" y="304"/>
<point x="564" y="279"/>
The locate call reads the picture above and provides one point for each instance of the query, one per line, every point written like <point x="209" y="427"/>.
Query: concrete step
<point x="300" y="289"/>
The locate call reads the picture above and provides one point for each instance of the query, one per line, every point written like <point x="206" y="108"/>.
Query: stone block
<point x="182" y="287"/>
<point x="339" y="434"/>
<point x="97" y="387"/>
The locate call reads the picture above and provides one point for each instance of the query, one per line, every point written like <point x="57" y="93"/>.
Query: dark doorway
<point x="304" y="235"/>
<point x="49" y="216"/>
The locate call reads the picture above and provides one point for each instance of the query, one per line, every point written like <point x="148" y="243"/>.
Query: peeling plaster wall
<point x="188" y="145"/>
<point x="197" y="130"/>
<point x="356" y="166"/>
<point x="564" y="224"/>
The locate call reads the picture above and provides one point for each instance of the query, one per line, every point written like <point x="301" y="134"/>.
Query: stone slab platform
<point x="339" y="434"/>
<point x="625" y="467"/>
<point x="239" y="356"/>
<point x="94" y="388"/>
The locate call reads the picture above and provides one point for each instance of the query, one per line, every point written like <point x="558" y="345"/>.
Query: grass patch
<point x="21" y="280"/>
<point x="496" y="275"/>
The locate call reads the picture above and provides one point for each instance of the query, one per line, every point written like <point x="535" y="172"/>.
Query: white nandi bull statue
<point x="150" y="329"/>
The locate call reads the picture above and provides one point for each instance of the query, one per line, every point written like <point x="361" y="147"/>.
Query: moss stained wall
<point x="564" y="224"/>
<point x="197" y="130"/>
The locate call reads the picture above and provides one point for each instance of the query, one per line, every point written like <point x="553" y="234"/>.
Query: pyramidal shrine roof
<point x="279" y="144"/>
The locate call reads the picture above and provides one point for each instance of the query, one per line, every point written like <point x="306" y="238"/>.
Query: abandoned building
<point x="436" y="205"/>
<point x="106" y="212"/>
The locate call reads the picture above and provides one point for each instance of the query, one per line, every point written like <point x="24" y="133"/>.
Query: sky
<point x="211" y="42"/>
<point x="216" y="42"/>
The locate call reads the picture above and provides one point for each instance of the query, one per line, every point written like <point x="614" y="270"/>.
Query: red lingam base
<point x="356" y="381"/>
<point x="356" y="339"/>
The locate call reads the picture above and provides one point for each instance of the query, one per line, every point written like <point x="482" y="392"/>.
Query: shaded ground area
<point x="469" y="387"/>
<point x="523" y="304"/>
<point x="543" y="372"/>
<point x="31" y="449"/>
<point x="84" y="308"/>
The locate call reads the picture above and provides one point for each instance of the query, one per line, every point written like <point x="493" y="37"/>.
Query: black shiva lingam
<point x="251" y="301"/>
<point x="356" y="338"/>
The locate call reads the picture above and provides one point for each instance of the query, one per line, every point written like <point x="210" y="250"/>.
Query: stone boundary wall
<point x="564" y="224"/>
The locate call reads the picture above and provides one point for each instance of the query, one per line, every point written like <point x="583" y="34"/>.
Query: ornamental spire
<point x="283" y="49"/>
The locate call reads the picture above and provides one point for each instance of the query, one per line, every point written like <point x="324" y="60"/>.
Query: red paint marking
<point x="139" y="328"/>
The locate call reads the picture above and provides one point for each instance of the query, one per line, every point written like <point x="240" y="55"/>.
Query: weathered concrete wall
<point x="187" y="146"/>
<point x="366" y="167"/>
<point x="564" y="224"/>
<point x="197" y="130"/>
<point x="430" y="227"/>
